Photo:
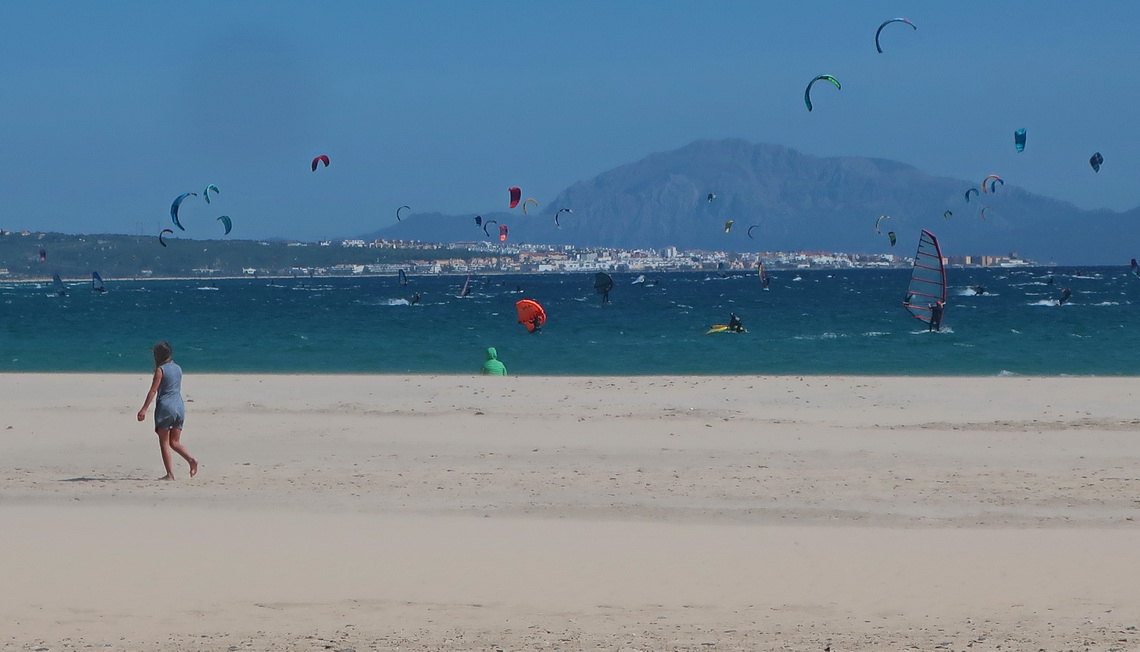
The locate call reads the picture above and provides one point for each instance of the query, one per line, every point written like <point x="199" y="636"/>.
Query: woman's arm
<point x="151" y="394"/>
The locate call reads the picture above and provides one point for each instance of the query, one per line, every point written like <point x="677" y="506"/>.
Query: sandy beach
<point x="648" y="513"/>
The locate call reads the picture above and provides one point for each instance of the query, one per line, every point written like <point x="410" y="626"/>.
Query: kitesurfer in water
<point x="537" y="324"/>
<point x="1065" y="294"/>
<point x="492" y="367"/>
<point x="936" y="310"/>
<point x="979" y="290"/>
<point x="734" y="323"/>
<point x="415" y="299"/>
<point x="169" y="409"/>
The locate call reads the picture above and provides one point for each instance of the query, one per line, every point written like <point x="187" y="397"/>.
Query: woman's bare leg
<point x="164" y="446"/>
<point x="175" y="434"/>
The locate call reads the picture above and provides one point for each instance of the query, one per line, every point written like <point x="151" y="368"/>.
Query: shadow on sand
<point x="86" y="479"/>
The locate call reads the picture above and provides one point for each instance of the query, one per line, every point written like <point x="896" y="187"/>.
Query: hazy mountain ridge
<point x="800" y="202"/>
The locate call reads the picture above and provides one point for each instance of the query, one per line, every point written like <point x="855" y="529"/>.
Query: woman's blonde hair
<point x="162" y="353"/>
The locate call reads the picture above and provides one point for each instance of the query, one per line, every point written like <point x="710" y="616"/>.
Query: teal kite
<point x="176" y="204"/>
<point x="807" y="91"/>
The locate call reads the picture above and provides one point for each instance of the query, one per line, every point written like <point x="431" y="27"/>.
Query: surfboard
<point x="722" y="328"/>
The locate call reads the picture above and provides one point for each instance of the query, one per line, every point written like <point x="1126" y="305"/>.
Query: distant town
<point x="536" y="258"/>
<point x="26" y="255"/>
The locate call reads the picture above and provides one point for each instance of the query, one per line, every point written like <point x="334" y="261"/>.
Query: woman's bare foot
<point x="193" y="468"/>
<point x="167" y="477"/>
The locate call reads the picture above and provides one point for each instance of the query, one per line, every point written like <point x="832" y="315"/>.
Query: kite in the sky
<point x="881" y="218"/>
<point x="993" y="184"/>
<point x="807" y="91"/>
<point x="502" y="233"/>
<point x="749" y="231"/>
<point x="712" y="196"/>
<point x="398" y="218"/>
<point x="516" y="195"/>
<point x="891" y="237"/>
<point x="560" y="212"/>
<point x="1096" y="161"/>
<point x="160" y="240"/>
<point x="529" y="200"/>
<point x="893" y="20"/>
<point x="176" y="204"/>
<point x="728" y="226"/>
<point x="225" y="220"/>
<point x="206" y="192"/>
<point x="320" y="159"/>
<point x="1019" y="140"/>
<point x="971" y="190"/>
<point x="947" y="215"/>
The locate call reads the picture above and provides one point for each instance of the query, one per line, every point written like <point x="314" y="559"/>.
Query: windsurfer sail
<point x="97" y="283"/>
<point x="403" y="279"/>
<point x="466" y="288"/>
<point x="927" y="280"/>
<point x="603" y="283"/>
<point x="57" y="283"/>
<point x="764" y="280"/>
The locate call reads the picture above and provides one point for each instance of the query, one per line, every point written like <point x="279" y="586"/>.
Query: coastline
<point x="736" y="271"/>
<point x="420" y="512"/>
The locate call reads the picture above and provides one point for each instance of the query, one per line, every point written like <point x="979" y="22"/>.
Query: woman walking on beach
<point x="169" y="410"/>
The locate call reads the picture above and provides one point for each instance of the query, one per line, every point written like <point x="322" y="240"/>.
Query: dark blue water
<point x="841" y="322"/>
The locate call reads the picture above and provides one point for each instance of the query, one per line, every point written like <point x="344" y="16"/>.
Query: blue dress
<point x="169" y="410"/>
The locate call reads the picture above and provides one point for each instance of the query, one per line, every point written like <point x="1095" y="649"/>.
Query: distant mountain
<point x="799" y="202"/>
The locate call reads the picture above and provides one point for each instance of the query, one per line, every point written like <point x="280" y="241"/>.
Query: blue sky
<point x="109" y="110"/>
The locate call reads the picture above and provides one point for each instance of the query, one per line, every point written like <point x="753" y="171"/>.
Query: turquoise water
<point x="841" y="322"/>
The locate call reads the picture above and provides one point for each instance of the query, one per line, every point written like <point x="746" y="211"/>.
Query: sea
<point x="848" y="321"/>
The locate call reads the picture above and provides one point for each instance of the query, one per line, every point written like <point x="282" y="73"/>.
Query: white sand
<point x="384" y="512"/>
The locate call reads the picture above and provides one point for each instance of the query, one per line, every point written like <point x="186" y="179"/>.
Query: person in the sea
<point x="979" y="290"/>
<point x="169" y="409"/>
<point x="936" y="310"/>
<point x="415" y="299"/>
<point x="1065" y="294"/>
<point x="536" y="324"/>
<point x="492" y="367"/>
<point x="734" y="323"/>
